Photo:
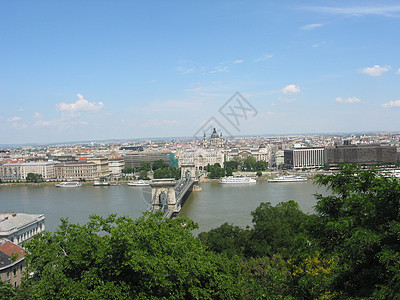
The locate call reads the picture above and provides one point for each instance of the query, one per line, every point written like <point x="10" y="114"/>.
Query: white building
<point x="18" y="171"/>
<point x="116" y="166"/>
<point x="19" y="227"/>
<point x="305" y="158"/>
<point x="200" y="158"/>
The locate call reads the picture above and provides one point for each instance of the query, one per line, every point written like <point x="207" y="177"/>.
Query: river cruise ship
<point x="288" y="178"/>
<point x="231" y="180"/>
<point x="69" y="184"/>
<point x="140" y="183"/>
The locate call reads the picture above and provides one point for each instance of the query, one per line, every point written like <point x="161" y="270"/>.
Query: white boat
<point x="231" y="179"/>
<point x="140" y="183"/>
<point x="69" y="184"/>
<point x="288" y="178"/>
<point x="101" y="183"/>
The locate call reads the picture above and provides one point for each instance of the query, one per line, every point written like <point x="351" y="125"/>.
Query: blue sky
<point x="90" y="70"/>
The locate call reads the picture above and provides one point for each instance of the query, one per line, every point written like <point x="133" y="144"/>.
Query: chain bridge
<point x="168" y="195"/>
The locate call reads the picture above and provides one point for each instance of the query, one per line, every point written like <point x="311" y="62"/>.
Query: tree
<point x="228" y="239"/>
<point x="359" y="224"/>
<point x="32" y="177"/>
<point x="145" y="166"/>
<point x="249" y="163"/>
<point x="143" y="175"/>
<point x="121" y="258"/>
<point x="128" y="170"/>
<point x="259" y="173"/>
<point x="277" y="229"/>
<point x="215" y="171"/>
<point x="168" y="172"/>
<point x="159" y="164"/>
<point x="233" y="165"/>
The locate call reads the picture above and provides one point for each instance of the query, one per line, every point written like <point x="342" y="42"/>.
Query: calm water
<point x="213" y="206"/>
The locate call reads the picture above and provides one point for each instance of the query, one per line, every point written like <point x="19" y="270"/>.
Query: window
<point x="15" y="273"/>
<point x="8" y="275"/>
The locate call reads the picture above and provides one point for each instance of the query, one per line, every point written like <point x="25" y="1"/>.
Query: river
<point x="211" y="207"/>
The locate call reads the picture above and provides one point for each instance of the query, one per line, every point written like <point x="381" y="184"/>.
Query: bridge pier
<point x="163" y="194"/>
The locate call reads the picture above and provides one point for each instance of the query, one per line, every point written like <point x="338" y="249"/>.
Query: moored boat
<point x="69" y="184"/>
<point x="288" y="178"/>
<point x="232" y="180"/>
<point x="101" y="183"/>
<point x="140" y="183"/>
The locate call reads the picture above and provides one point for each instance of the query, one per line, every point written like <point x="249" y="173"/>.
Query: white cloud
<point x="398" y="72"/>
<point x="14" y="119"/>
<point x="42" y="123"/>
<point x="264" y="57"/>
<point x="348" y="100"/>
<point x="218" y="69"/>
<point x="37" y="115"/>
<point x="286" y="100"/>
<point x="311" y="26"/>
<point x="238" y="61"/>
<point x="291" y="89"/>
<point x="19" y="126"/>
<point x="391" y="104"/>
<point x="388" y="11"/>
<point x="80" y="105"/>
<point x="376" y="70"/>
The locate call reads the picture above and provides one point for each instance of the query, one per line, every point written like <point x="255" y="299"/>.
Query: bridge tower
<point x="163" y="194"/>
<point x="188" y="170"/>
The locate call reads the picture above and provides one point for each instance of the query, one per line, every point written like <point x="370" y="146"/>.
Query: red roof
<point x="9" y="248"/>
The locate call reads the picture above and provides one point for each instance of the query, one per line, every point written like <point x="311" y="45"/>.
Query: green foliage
<point x="159" y="164"/>
<point x="145" y="166"/>
<point x="360" y="223"/>
<point x="128" y="170"/>
<point x="167" y="172"/>
<point x="119" y="258"/>
<point x="277" y="230"/>
<point x="259" y="173"/>
<point x="248" y="164"/>
<point x="143" y="175"/>
<point x="7" y="291"/>
<point x="228" y="239"/>
<point x="215" y="171"/>
<point x="32" y="177"/>
<point x="233" y="165"/>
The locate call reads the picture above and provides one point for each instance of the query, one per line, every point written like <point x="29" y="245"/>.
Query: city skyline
<point x="103" y="70"/>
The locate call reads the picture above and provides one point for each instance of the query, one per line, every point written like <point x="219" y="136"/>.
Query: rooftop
<point x="13" y="221"/>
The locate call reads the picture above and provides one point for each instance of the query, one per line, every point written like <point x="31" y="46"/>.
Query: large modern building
<point x="133" y="160"/>
<point x="12" y="262"/>
<point x="20" y="227"/>
<point x="304" y="158"/>
<point x="361" y="154"/>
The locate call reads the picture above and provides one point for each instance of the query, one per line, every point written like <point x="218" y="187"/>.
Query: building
<point x="216" y="141"/>
<point x="261" y="153"/>
<point x="12" y="262"/>
<point x="133" y="160"/>
<point x="301" y="158"/>
<point x="361" y="154"/>
<point x="13" y="171"/>
<point x="76" y="170"/>
<point x="102" y="168"/>
<point x="20" y="227"/>
<point x="116" y="166"/>
<point x="200" y="158"/>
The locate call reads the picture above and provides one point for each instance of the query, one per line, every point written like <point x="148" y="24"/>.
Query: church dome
<point x="214" y="135"/>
